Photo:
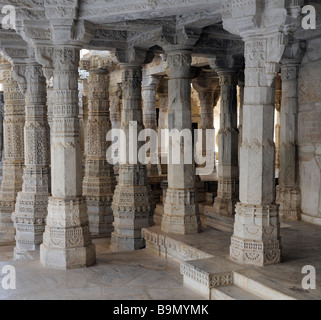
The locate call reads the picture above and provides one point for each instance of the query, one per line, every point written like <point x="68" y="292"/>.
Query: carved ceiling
<point x="119" y="25"/>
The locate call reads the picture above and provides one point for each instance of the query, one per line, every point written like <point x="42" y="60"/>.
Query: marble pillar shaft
<point x="133" y="204"/>
<point x="32" y="202"/>
<point x="228" y="170"/>
<point x="99" y="181"/>
<point x="288" y="191"/>
<point x="150" y="122"/>
<point x="67" y="240"/>
<point x="256" y="238"/>
<point x="14" y="117"/>
<point x="181" y="215"/>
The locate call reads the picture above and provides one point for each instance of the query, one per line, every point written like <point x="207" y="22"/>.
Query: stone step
<point x="168" y="247"/>
<point x="217" y="278"/>
<point x="232" y="293"/>
<point x="266" y="292"/>
<point x="219" y="222"/>
<point x="202" y="276"/>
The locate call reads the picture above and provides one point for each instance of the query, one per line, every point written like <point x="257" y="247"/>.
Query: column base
<point x="133" y="209"/>
<point x="289" y="200"/>
<point x="227" y="197"/>
<point x="122" y="244"/>
<point x="100" y="217"/>
<point x="26" y="255"/>
<point x="29" y="222"/>
<point x="7" y="232"/>
<point x="67" y="240"/>
<point x="257" y="253"/>
<point x="73" y="258"/>
<point x="181" y="215"/>
<point x="256" y="240"/>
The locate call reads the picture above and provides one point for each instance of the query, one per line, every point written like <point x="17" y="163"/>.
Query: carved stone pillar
<point x="99" y="181"/>
<point x="32" y="202"/>
<point x="67" y="240"/>
<point x="256" y="238"/>
<point x="207" y="86"/>
<point x="14" y="117"/>
<point x="163" y="118"/>
<point x="241" y="84"/>
<point x="149" y="116"/>
<point x="115" y="94"/>
<point x="288" y="191"/>
<point x="133" y="204"/>
<point x="278" y="98"/>
<point x="181" y="215"/>
<point x="228" y="169"/>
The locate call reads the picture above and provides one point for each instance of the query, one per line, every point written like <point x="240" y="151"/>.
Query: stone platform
<point x="207" y="270"/>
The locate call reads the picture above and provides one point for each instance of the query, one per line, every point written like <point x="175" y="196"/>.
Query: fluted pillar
<point x="67" y="240"/>
<point x="133" y="204"/>
<point x="181" y="215"/>
<point x="99" y="181"/>
<point x="32" y="202"/>
<point x="288" y="190"/>
<point x="14" y="117"/>
<point x="228" y="170"/>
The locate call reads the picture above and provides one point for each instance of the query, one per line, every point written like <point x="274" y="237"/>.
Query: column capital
<point x="206" y="82"/>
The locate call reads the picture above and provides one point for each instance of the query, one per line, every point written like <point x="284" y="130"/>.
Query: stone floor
<point x="123" y="276"/>
<point x="301" y="246"/>
<point x="142" y="276"/>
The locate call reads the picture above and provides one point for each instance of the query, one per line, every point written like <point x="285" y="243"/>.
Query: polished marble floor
<point x="125" y="276"/>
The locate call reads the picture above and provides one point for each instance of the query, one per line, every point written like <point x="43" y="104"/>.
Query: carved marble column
<point x="228" y="169"/>
<point x="181" y="215"/>
<point x="288" y="190"/>
<point x="241" y="84"/>
<point x="32" y="202"/>
<point x="207" y="86"/>
<point x="133" y="204"/>
<point x="115" y="94"/>
<point x="256" y="238"/>
<point x="67" y="240"/>
<point x="14" y="117"/>
<point x="99" y="181"/>
<point x="278" y="98"/>
<point x="149" y="116"/>
<point x="163" y="118"/>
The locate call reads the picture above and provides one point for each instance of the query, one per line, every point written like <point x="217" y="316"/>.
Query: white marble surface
<point x="124" y="276"/>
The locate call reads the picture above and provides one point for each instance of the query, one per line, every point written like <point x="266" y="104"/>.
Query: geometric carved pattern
<point x="32" y="202"/>
<point x="99" y="181"/>
<point x="13" y="153"/>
